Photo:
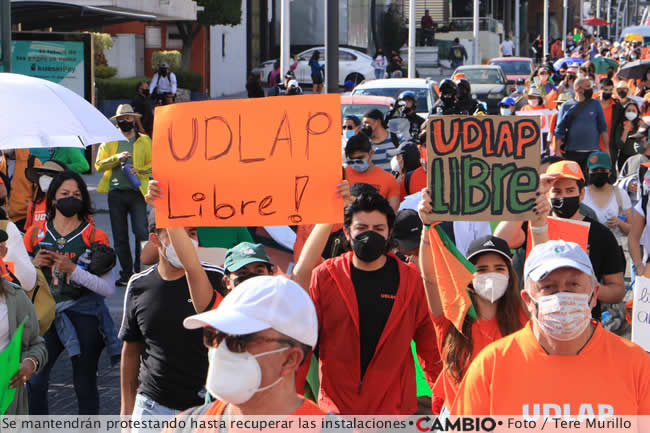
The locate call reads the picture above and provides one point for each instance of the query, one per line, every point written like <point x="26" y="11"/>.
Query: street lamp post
<point x="475" y="42"/>
<point x="517" y="30"/>
<point x="545" y="28"/>
<point x="285" y="38"/>
<point x="332" y="46"/>
<point x="564" y="24"/>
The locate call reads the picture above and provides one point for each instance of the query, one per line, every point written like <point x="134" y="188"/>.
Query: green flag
<point x="9" y="366"/>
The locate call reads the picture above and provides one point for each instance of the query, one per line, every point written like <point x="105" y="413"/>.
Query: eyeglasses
<point x="348" y="127"/>
<point x="235" y="343"/>
<point x="354" y="161"/>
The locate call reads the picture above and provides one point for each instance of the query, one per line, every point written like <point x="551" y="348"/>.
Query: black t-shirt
<point x="376" y="292"/>
<point x="174" y="362"/>
<point x="604" y="252"/>
<point x="142" y="106"/>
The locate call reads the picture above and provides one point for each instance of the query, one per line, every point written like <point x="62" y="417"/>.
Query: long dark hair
<point x="635" y="122"/>
<point x="458" y="348"/>
<point x="86" y="210"/>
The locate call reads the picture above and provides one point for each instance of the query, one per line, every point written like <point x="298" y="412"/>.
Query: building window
<point x="174" y="40"/>
<point x="152" y="37"/>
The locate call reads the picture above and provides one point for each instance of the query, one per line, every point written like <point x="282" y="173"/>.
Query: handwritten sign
<point x="483" y="168"/>
<point x="250" y="162"/>
<point x="566" y="230"/>
<point x="641" y="313"/>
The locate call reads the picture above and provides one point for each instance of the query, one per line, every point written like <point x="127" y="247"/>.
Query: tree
<point x="215" y="12"/>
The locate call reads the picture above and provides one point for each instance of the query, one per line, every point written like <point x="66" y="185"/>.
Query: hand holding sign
<point x="254" y="162"/>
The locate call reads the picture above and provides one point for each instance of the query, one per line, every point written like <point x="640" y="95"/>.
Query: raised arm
<point x="311" y="253"/>
<point x="426" y="257"/>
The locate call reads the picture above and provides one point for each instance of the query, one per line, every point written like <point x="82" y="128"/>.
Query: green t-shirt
<point x="119" y="180"/>
<point x="223" y="237"/>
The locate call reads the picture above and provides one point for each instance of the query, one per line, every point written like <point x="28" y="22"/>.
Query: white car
<point x="353" y="66"/>
<point x="424" y="89"/>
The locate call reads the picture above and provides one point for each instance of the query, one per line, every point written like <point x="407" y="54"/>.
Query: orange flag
<point x="453" y="273"/>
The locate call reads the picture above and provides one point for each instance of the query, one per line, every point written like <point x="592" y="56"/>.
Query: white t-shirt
<point x="4" y="324"/>
<point x="610" y="210"/>
<point x="508" y="48"/>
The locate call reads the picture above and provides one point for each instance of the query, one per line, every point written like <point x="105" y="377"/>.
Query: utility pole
<point x="411" y="53"/>
<point x="285" y="37"/>
<point x="475" y="42"/>
<point x="517" y="28"/>
<point x="546" y="28"/>
<point x="5" y="35"/>
<point x="332" y="46"/>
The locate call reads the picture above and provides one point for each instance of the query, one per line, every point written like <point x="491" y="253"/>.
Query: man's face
<point x="364" y="221"/>
<point x="274" y="365"/>
<point x="565" y="187"/>
<point x="560" y="280"/>
<point x="606" y="89"/>
<point x="161" y="237"/>
<point x="375" y="124"/>
<point x="409" y="104"/>
<point x="252" y="269"/>
<point x="358" y="155"/>
<point x="144" y="89"/>
<point x="349" y="125"/>
<point x="127" y="117"/>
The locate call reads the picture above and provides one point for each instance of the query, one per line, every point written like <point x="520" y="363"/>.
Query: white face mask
<point x="44" y="182"/>
<point x="505" y="111"/>
<point x="533" y="102"/>
<point x="235" y="377"/>
<point x="630" y="115"/>
<point x="563" y="316"/>
<point x="394" y="165"/>
<point x="172" y="257"/>
<point x="490" y="286"/>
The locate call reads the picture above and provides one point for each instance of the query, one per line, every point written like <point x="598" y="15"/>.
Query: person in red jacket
<point x="370" y="306"/>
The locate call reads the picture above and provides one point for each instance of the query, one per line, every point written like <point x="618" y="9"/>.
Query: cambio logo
<point x="475" y="424"/>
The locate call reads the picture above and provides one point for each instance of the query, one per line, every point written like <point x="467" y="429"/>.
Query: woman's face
<point x="68" y="188"/>
<point x="632" y="109"/>
<point x="491" y="262"/>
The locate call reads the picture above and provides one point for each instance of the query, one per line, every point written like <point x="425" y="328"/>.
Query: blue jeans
<point x="145" y="406"/>
<point x="84" y="367"/>
<point x="379" y="73"/>
<point x="121" y="204"/>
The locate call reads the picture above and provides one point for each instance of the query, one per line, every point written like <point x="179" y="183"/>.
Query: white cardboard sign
<point x="641" y="313"/>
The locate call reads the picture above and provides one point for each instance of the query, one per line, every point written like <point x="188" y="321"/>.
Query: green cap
<point x="599" y="160"/>
<point x="244" y="254"/>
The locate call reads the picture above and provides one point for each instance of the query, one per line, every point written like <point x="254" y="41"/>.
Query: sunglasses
<point x="235" y="343"/>
<point x="354" y="161"/>
<point x="348" y="127"/>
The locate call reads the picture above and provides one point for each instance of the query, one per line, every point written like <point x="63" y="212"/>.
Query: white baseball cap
<point x="552" y="255"/>
<point x="260" y="303"/>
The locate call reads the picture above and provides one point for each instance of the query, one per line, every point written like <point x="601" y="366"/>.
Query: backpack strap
<point x="394" y="139"/>
<point x="619" y="200"/>
<point x="407" y="182"/>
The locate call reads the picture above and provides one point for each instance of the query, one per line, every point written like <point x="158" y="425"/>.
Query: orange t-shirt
<point x="383" y="181"/>
<point x="36" y="214"/>
<point x="608" y="119"/>
<point x="417" y="182"/>
<point x="531" y="108"/>
<point x="484" y="332"/>
<point x="515" y="376"/>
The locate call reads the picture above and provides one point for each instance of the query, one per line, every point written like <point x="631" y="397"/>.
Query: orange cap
<point x="566" y="169"/>
<point x="459" y="75"/>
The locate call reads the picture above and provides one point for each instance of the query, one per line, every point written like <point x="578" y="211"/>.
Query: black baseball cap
<point x="489" y="244"/>
<point x="407" y="229"/>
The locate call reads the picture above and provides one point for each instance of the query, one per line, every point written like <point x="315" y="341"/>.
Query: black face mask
<point x="367" y="129"/>
<point x="565" y="207"/>
<point x="125" y="125"/>
<point x="607" y="96"/>
<point x="163" y="72"/>
<point x="622" y="94"/>
<point x="448" y="99"/>
<point x="145" y="92"/>
<point x="69" y="206"/>
<point x="598" y="179"/>
<point x="588" y="93"/>
<point x="369" y="246"/>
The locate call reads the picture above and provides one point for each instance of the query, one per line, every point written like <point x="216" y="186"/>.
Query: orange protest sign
<point x="249" y="162"/>
<point x="566" y="230"/>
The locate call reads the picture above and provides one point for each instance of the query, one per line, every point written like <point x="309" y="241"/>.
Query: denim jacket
<point x="92" y="305"/>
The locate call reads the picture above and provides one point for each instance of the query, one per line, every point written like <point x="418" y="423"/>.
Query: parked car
<point x="489" y="84"/>
<point x="360" y="104"/>
<point x="515" y="68"/>
<point x="353" y="66"/>
<point x="425" y="91"/>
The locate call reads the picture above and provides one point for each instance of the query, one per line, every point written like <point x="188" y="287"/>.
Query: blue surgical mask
<point x="360" y="165"/>
<point x="348" y="133"/>
<point x="520" y="88"/>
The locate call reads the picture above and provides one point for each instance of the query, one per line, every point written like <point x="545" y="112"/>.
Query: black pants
<point x="581" y="158"/>
<point x="121" y="204"/>
<point x="84" y="367"/>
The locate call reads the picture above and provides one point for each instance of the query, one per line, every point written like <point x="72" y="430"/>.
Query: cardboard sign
<point x="641" y="313"/>
<point x="483" y="168"/>
<point x="544" y="117"/>
<point x="566" y="230"/>
<point x="249" y="162"/>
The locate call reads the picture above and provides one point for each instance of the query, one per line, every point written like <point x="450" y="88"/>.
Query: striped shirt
<point x="384" y="151"/>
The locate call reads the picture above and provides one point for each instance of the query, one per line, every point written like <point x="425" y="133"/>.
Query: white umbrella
<point x="39" y="113"/>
